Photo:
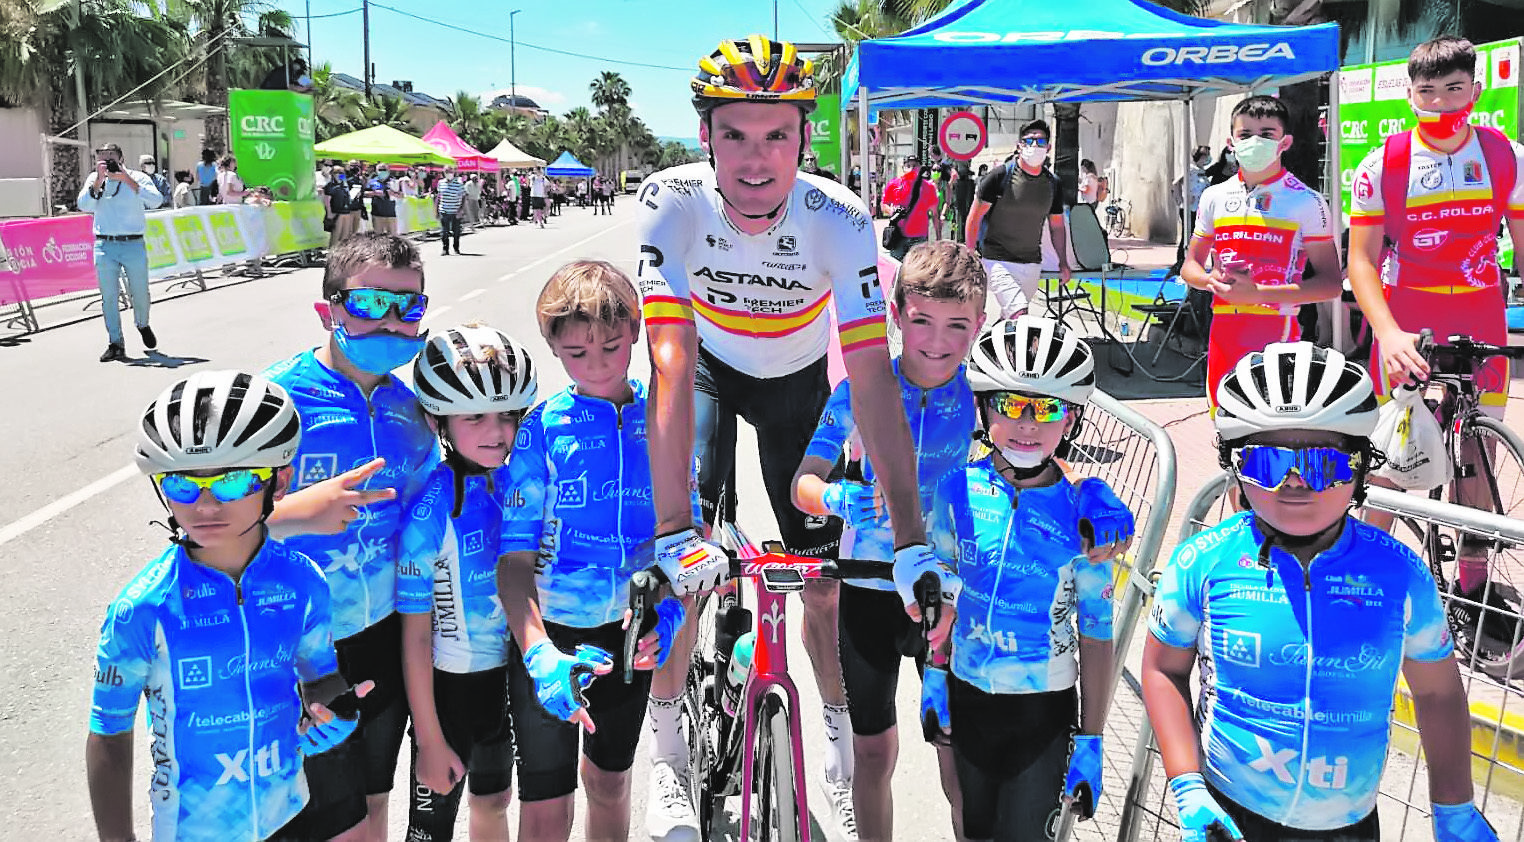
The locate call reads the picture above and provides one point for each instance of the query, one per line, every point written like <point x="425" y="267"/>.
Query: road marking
<point x="437" y="311"/>
<point x="27" y="523"/>
<point x="472" y="294"/>
<point x="584" y="240"/>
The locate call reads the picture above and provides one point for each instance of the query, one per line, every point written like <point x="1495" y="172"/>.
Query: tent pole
<point x="862" y="144"/>
<point x="1333" y="137"/>
<point x="1185" y="171"/>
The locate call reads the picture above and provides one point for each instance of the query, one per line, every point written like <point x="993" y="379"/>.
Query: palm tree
<point x="338" y="110"/>
<point x="609" y="89"/>
<point x="217" y="22"/>
<point x="386" y="110"/>
<point x="469" y="115"/>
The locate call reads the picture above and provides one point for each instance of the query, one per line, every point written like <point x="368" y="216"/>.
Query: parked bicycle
<point x="1118" y="210"/>
<point x="740" y="707"/>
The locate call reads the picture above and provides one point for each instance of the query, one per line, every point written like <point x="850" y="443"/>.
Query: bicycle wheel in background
<point x="1500" y="652"/>
<point x="775" y="805"/>
<point x="702" y="727"/>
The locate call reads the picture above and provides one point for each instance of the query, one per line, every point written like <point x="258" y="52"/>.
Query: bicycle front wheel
<point x="775" y="805"/>
<point x="1501" y="469"/>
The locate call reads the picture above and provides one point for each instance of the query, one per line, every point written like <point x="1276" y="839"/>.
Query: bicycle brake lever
<point x="643" y="587"/>
<point x="928" y="595"/>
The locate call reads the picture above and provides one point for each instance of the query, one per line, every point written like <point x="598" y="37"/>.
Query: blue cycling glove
<point x="853" y="502"/>
<point x="669" y="618"/>
<point x="1200" y="814"/>
<point x="1083" y="780"/>
<point x="559" y="678"/>
<point x="1102" y="514"/>
<point x="319" y="738"/>
<point x="936" y="721"/>
<point x="1461" y="823"/>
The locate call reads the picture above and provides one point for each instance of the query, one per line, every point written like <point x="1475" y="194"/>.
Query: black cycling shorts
<point x="375" y="654"/>
<point x="784" y="411"/>
<point x="547" y="746"/>
<point x="1011" y="751"/>
<point x="874" y="631"/>
<point x="1260" y="829"/>
<point x="473" y="714"/>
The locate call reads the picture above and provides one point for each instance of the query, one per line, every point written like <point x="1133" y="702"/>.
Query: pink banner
<point x="48" y="257"/>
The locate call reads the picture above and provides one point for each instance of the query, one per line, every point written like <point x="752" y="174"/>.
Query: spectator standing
<point x="538" y="190"/>
<point x="408" y="184"/>
<point x="337" y="199"/>
<point x="1188" y="190"/>
<point x="1017" y="198"/>
<point x="914" y="193"/>
<point x="449" y="198"/>
<point x="184" y="196"/>
<point x="473" y="207"/>
<point x="812" y="166"/>
<point x="150" y="167"/>
<point x="1225" y="168"/>
<point x="230" y="188"/>
<point x="117" y="198"/>
<point x="963" y="186"/>
<point x="1089" y="183"/>
<point x="206" y="177"/>
<point x="383" y="201"/>
<point x="511" y="197"/>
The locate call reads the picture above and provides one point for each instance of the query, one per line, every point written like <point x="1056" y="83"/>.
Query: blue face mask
<point x="378" y="353"/>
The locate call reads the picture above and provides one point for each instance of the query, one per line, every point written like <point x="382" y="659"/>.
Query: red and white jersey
<point x="1267" y="226"/>
<point x="1452" y="241"/>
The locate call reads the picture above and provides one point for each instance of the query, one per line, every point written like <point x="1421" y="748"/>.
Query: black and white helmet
<point x="1295" y="386"/>
<point x="471" y="370"/>
<point x="219" y="419"/>
<point x="1032" y="354"/>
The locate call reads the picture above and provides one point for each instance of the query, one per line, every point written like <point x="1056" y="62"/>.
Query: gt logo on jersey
<point x="571" y="493"/>
<point x="1240" y="647"/>
<point x="1430" y="239"/>
<point x="195" y="673"/>
<point x="316" y="467"/>
<point x="1364" y="189"/>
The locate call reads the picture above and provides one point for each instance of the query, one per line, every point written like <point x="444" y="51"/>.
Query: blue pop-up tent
<point x="567" y="166"/>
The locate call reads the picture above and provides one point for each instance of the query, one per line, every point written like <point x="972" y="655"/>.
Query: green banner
<point x="225" y="231"/>
<point x="161" y="249"/>
<point x="294" y="226"/>
<point x="190" y="233"/>
<point x="273" y="139"/>
<point x="825" y="132"/>
<point x="1373" y="105"/>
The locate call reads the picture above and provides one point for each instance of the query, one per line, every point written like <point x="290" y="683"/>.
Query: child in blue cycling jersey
<point x="579" y="523"/>
<point x="938" y="308"/>
<point x="1034" y="560"/>
<point x="366" y="449"/>
<point x="218" y="632"/>
<point x="1302" y="618"/>
<point x="475" y="383"/>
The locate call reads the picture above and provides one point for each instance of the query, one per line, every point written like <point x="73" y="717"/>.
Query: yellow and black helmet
<point x="757" y="69"/>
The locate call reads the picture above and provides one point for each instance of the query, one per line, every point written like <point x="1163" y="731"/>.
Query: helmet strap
<point x="1290" y="543"/>
<point x="460" y="468"/>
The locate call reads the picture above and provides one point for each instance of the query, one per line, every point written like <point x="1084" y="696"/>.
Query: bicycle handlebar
<point x="1463" y="347"/>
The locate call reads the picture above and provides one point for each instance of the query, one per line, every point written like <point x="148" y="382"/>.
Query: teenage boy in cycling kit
<point x="938" y="308"/>
<point x="1302" y="618"/>
<point x="1035" y="554"/>
<point x="1456" y="184"/>
<point x="578" y="525"/>
<point x="475" y="384"/>
<point x="739" y="259"/>
<point x="1261" y="229"/>
<point x="217" y="632"/>
<point x="366" y="450"/>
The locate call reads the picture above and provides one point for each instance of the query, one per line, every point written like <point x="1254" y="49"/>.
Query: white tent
<point x="511" y="156"/>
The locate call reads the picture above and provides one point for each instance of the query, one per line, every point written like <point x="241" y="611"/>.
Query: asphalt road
<point x="75" y="523"/>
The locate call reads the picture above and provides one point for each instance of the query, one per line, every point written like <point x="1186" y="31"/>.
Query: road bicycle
<point x="1117" y="212"/>
<point x="1478" y="446"/>
<point x="755" y="752"/>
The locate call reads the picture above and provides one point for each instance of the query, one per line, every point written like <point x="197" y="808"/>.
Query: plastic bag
<point x="1408" y="433"/>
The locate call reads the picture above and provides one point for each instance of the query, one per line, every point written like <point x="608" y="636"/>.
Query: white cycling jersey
<point x="759" y="300"/>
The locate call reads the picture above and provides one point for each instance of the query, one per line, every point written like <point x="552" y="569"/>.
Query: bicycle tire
<point x="773" y="795"/>
<point x="1503" y="466"/>
<point x="700" y="723"/>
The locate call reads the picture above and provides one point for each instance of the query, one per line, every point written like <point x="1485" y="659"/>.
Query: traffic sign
<point x="963" y="135"/>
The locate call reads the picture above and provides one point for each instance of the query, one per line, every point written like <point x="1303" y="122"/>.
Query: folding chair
<point x="1190" y="314"/>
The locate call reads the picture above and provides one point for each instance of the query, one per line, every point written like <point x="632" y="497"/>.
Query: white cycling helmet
<point x="1032" y="354"/>
<point x="219" y="419"/>
<point x="1295" y="386"/>
<point x="470" y="370"/>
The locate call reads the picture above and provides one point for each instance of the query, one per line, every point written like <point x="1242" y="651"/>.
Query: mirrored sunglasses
<point x="1321" y="468"/>
<point x="374" y="304"/>
<point x="1035" y="141"/>
<point x="226" y="486"/>
<point x="1013" y="404"/>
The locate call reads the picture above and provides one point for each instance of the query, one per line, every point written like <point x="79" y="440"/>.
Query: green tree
<point x="216" y="23"/>
<point x="609" y="89"/>
<point x="338" y="109"/>
<point x="386" y="110"/>
<point x="469" y="117"/>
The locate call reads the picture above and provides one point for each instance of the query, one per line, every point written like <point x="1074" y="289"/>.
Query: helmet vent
<point x="269" y="407"/>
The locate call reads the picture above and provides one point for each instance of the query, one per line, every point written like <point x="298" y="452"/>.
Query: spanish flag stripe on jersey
<point x="760" y="324"/>
<point x="666" y="309"/>
<point x="863" y="333"/>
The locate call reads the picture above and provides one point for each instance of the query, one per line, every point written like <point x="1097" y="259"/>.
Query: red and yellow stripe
<point x="667" y="310"/>
<point x="863" y="333"/>
<point x="743" y="323"/>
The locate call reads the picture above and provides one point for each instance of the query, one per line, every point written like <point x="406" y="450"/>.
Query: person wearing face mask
<point x="1259" y="230"/>
<point x="150" y="168"/>
<point x="1442" y="275"/>
<point x="383" y="201"/>
<point x="1225" y="167"/>
<point x="1017" y="198"/>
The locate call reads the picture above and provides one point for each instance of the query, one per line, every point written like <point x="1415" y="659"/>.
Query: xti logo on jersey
<point x="1297" y="681"/>
<point x="218" y="664"/>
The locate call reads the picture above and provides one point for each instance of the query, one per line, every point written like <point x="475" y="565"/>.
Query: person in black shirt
<point x="812" y="167"/>
<point x="1015" y="199"/>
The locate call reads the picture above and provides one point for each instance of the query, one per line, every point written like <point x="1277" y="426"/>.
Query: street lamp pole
<point x="513" y="74"/>
<point x="365" y="6"/>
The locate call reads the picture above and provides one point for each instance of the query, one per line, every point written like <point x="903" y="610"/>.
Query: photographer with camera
<point x="117" y="197"/>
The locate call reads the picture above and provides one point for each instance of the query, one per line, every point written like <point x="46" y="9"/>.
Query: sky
<point x="621" y="34"/>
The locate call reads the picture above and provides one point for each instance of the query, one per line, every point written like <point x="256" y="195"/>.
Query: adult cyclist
<point x="740" y="258"/>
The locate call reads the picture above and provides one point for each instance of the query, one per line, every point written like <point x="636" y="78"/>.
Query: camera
<point x="112" y="166"/>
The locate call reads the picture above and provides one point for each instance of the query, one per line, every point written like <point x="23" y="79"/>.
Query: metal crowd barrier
<point x="1497" y="733"/>
<point x="1137" y="459"/>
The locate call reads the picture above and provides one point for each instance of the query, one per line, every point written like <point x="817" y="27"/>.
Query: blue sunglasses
<point x="226" y="486"/>
<point x="374" y="304"/>
<point x="1321" y="468"/>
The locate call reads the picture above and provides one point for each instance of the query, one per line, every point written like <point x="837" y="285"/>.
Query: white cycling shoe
<point x="840" y="821"/>
<point x="669" y="811"/>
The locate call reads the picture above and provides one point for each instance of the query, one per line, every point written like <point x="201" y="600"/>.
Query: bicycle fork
<point x="769" y="674"/>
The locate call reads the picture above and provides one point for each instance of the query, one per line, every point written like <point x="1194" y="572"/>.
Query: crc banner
<point x="825" y="132"/>
<point x="416" y="213"/>
<point x="273" y="139"/>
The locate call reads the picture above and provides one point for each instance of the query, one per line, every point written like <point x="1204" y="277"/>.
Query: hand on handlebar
<point x="559" y="678"/>
<point x="1202" y="819"/>
<point x="655" y="647"/>
<point x="856" y="503"/>
<point x="911" y="564"/>
<point x="1105" y="523"/>
<point x="691" y="564"/>
<point x="1401" y="358"/>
